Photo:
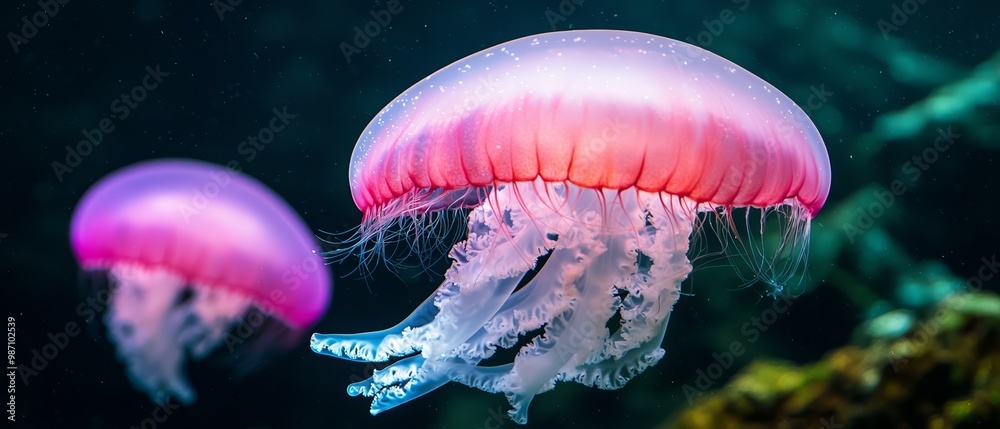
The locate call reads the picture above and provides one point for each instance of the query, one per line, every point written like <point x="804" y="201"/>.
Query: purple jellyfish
<point x="192" y="250"/>
<point x="602" y="151"/>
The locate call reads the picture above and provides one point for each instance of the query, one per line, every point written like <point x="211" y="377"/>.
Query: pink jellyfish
<point x="596" y="152"/>
<point x="193" y="250"/>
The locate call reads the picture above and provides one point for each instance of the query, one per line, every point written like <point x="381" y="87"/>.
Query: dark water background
<point x="226" y="76"/>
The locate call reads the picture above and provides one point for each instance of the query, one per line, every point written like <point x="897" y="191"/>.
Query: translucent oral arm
<point x="376" y="346"/>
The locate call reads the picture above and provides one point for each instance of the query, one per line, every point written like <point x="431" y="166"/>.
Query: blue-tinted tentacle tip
<point x="398" y="384"/>
<point x="378" y="346"/>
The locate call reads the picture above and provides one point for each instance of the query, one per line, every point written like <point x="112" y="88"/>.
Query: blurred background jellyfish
<point x="585" y="161"/>
<point x="191" y="250"/>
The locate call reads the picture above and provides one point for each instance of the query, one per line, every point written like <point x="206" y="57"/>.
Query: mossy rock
<point x="944" y="373"/>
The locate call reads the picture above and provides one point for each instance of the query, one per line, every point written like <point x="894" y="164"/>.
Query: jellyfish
<point x="583" y="162"/>
<point x="192" y="251"/>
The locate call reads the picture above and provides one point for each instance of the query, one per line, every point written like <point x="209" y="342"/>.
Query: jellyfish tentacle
<point x="530" y="308"/>
<point x="573" y="336"/>
<point x="156" y="329"/>
<point x="636" y="345"/>
<point x="570" y="335"/>
<point x="500" y="249"/>
<point x="376" y="346"/>
<point x="645" y="312"/>
<point x="399" y="383"/>
<point x="614" y="242"/>
<point x="606" y="361"/>
<point x="651" y="295"/>
<point x="475" y="289"/>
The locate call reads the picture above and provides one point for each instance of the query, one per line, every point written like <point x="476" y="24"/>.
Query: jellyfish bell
<point x="596" y="150"/>
<point x="198" y="258"/>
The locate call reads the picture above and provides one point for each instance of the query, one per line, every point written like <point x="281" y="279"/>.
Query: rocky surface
<point x="943" y="373"/>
